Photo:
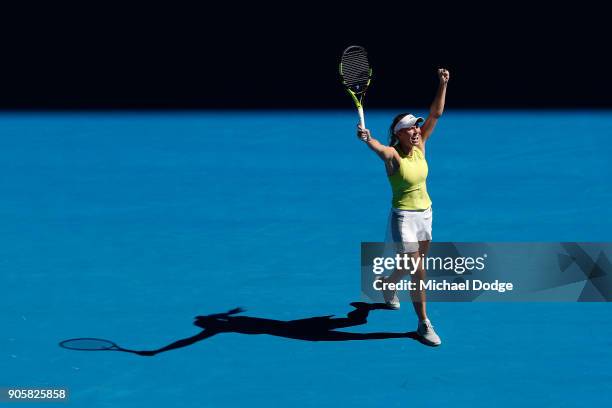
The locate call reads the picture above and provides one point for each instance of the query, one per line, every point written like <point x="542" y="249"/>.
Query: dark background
<point x="259" y="56"/>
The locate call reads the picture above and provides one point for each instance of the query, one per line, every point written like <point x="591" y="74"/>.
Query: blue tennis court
<point x="127" y="226"/>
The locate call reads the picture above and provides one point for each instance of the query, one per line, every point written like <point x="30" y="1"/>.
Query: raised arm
<point x="386" y="153"/>
<point x="204" y="334"/>
<point x="437" y="106"/>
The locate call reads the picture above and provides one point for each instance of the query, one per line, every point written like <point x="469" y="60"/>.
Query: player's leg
<point x="425" y="329"/>
<point x="419" y="297"/>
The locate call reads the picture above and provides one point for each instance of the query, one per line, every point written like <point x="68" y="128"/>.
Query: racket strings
<point x="88" y="344"/>
<point x="355" y="67"/>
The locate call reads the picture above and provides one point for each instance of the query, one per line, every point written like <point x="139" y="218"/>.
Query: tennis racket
<point x="91" y="344"/>
<point x="356" y="75"/>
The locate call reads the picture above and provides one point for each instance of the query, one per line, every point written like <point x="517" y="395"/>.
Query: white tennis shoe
<point x="428" y="334"/>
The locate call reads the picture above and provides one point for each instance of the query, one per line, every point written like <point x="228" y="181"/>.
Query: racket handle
<point x="361" y="117"/>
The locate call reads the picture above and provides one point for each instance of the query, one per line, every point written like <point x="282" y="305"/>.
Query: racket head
<point x="355" y="69"/>
<point x="89" y="344"/>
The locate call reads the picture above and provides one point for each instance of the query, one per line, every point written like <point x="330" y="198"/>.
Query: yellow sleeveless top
<point x="408" y="182"/>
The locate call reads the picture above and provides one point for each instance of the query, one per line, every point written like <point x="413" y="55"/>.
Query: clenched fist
<point x="443" y="75"/>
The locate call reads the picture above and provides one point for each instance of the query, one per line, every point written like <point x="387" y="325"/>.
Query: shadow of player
<point x="320" y="328"/>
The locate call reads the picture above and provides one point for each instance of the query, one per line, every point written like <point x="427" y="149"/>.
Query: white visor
<point x="406" y="122"/>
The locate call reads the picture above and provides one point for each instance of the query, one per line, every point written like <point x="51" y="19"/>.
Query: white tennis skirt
<point x="407" y="228"/>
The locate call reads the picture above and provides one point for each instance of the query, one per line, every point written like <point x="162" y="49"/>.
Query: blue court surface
<point x="125" y="226"/>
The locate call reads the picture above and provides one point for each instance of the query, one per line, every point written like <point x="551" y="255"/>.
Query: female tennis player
<point x="411" y="214"/>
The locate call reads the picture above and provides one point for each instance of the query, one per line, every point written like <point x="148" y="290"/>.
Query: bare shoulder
<point x="393" y="161"/>
<point x="391" y="153"/>
<point x="394" y="154"/>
